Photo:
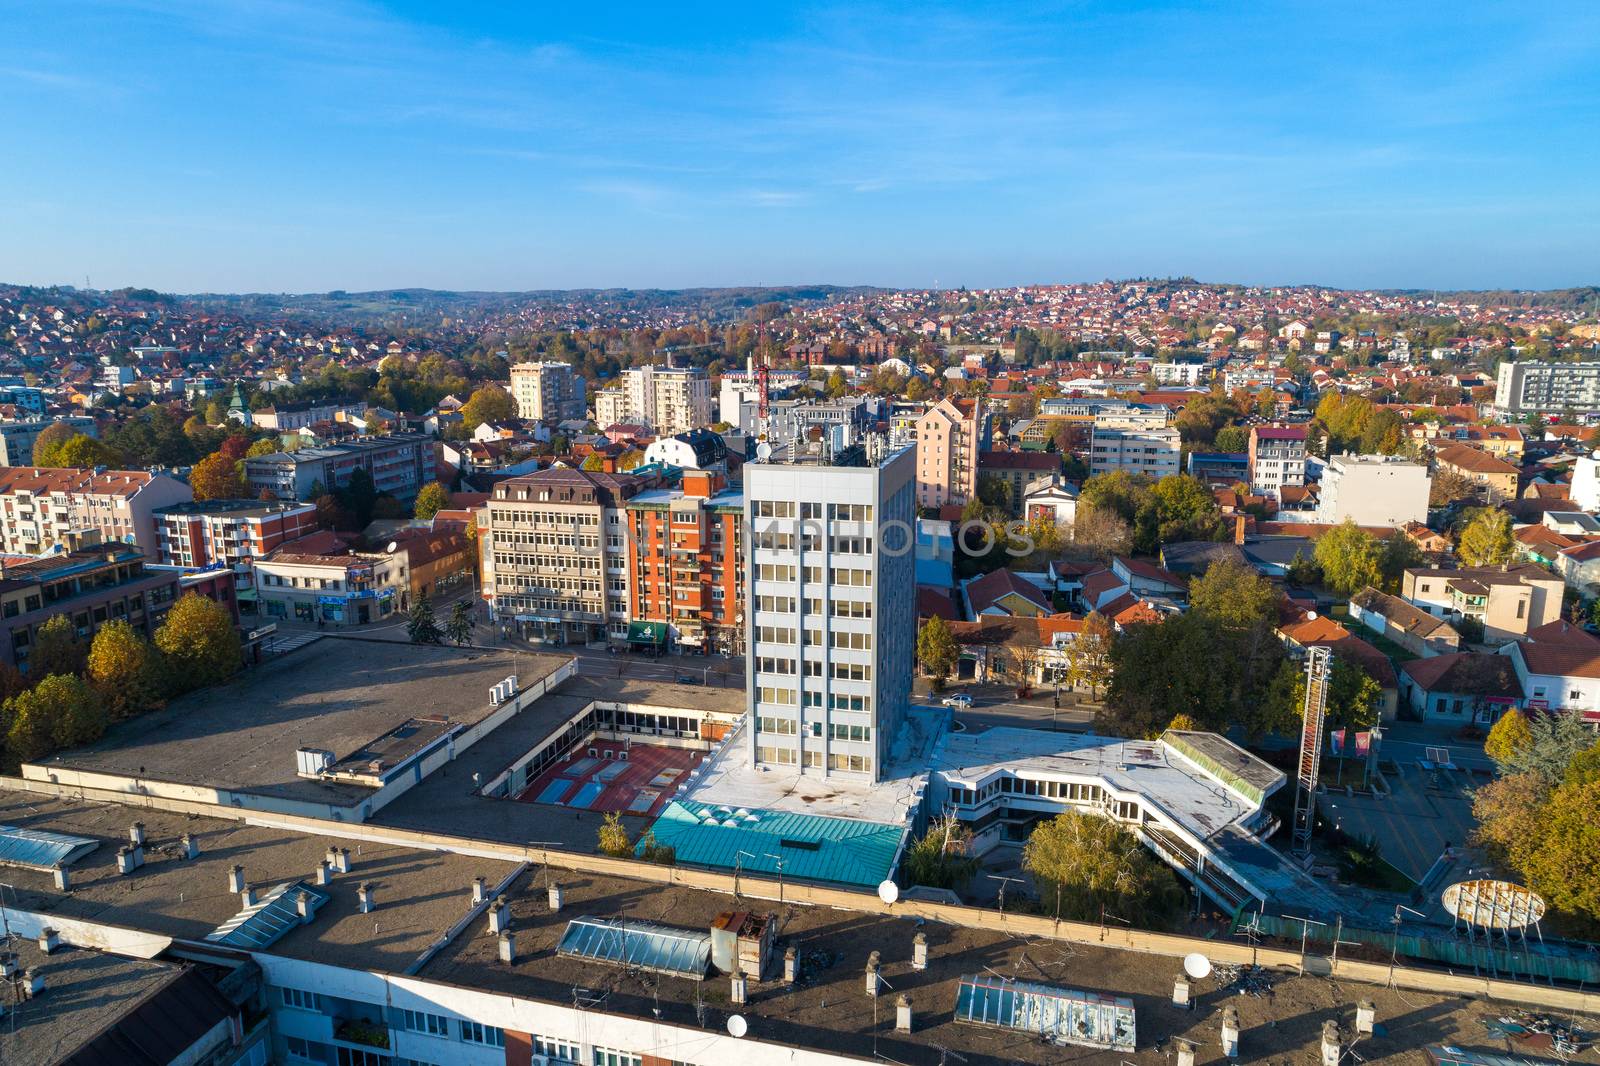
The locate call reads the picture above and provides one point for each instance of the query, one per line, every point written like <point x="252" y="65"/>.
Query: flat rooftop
<point x="1189" y="796"/>
<point x="828" y="1010"/>
<point x="85" y="992"/>
<point x="730" y="779"/>
<point x="335" y="693"/>
<point x="419" y="894"/>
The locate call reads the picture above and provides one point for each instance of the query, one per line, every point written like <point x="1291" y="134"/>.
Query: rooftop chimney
<point x="1332" y="1043"/>
<point x="902" y="1014"/>
<point x="508" y="947"/>
<point x="49" y="940"/>
<point x="1180" y="992"/>
<point x="499" y="915"/>
<point x="136" y="834"/>
<point x="739" y="988"/>
<point x="10" y="965"/>
<point x="33" y="983"/>
<point x="1366" y="1017"/>
<point x="62" y="878"/>
<point x="919" y="952"/>
<point x="236" y="879"/>
<point x="341" y="862"/>
<point x="791" y="965"/>
<point x="1185" y="1052"/>
<point x="873" y="976"/>
<point x="190" y="846"/>
<point x="302" y="905"/>
<point x="480" y="892"/>
<point x="555" y="897"/>
<point x="127" y="861"/>
<point x="364" y="897"/>
<point x="1230" y="1033"/>
<point x="247" y="897"/>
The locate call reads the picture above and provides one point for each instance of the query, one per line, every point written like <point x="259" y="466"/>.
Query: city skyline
<point x="291" y="147"/>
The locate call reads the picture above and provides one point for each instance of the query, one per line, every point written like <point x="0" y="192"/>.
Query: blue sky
<point x="300" y="145"/>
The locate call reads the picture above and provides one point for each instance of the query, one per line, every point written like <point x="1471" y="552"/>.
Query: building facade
<point x="1373" y="490"/>
<point x="1277" y="458"/>
<point x="831" y="562"/>
<point x="350" y="589"/>
<point x="1547" y="387"/>
<point x="45" y="507"/>
<point x="667" y="399"/>
<point x="1152" y="452"/>
<point x="687" y="550"/>
<point x="399" y="464"/>
<point x="555" y="557"/>
<point x="16" y="438"/>
<point x="948" y="439"/>
<point x="233" y="532"/>
<point x="547" y="391"/>
<point x="91" y="586"/>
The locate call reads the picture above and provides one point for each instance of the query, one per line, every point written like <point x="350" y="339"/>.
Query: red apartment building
<point x="686" y="544"/>
<point x="232" y="532"/>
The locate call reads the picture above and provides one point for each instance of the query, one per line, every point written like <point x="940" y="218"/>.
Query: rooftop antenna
<point x="1319" y="664"/>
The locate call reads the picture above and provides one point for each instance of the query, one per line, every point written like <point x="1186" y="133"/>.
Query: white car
<point x="960" y="700"/>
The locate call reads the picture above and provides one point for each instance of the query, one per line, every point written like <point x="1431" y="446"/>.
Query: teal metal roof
<point x="839" y="850"/>
<point x="269" y="918"/>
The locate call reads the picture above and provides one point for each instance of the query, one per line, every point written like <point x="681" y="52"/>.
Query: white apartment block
<point x="17" y="438"/>
<point x="831" y="602"/>
<point x="547" y="392"/>
<point x="667" y="399"/>
<point x="1277" y="458"/>
<point x="1547" y="387"/>
<point x="1154" y="452"/>
<point x="1185" y="374"/>
<point x="42" y="507"/>
<point x="1373" y="490"/>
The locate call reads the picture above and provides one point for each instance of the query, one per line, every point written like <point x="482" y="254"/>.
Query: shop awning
<point x="652" y="633"/>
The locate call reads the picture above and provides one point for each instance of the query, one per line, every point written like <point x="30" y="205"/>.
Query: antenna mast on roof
<point x="763" y="374"/>
<point x="1319" y="664"/>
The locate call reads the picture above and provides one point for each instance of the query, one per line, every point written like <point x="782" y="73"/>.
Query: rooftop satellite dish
<point x="737" y="1026"/>
<point x="888" y="891"/>
<point x="1196" y="965"/>
<point x="763" y="451"/>
<point x="392" y="546"/>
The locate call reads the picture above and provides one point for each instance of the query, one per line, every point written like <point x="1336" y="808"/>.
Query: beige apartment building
<point x="948" y="438"/>
<point x="1510" y="601"/>
<point x="42" y="507"/>
<point x="555" y="557"/>
<point x="547" y="392"/>
<point x="670" y="400"/>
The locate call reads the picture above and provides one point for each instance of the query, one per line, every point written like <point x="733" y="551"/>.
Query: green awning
<point x="647" y="633"/>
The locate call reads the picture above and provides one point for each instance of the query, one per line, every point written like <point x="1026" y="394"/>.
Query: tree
<point x="1509" y="813"/>
<point x="60" y="711"/>
<point x="1233" y="594"/>
<point x="1509" y="738"/>
<point x="1184" y="510"/>
<point x="217" y="477"/>
<point x="433" y="498"/>
<point x="421" y="626"/>
<point x="614" y="837"/>
<point x="1101" y="531"/>
<point x="1448" y="486"/>
<point x="459" y="627"/>
<point x="84" y="451"/>
<point x="1089" y="656"/>
<point x="1083" y="863"/>
<point x="56" y="648"/>
<point x="264" y="446"/>
<point x="1231" y="439"/>
<point x="941" y="857"/>
<point x="937" y="650"/>
<point x="47" y="445"/>
<point x="124" y="670"/>
<point x="1302" y="571"/>
<point x="359" y="496"/>
<point x="1348" y="557"/>
<point x="488" y="404"/>
<point x="1400" y="553"/>
<point x="1561" y="868"/>
<point x="1554" y="740"/>
<point x="199" y="642"/>
<point x="1487" y="539"/>
<point x="330" y="513"/>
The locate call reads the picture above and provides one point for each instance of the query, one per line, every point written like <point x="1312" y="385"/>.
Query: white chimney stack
<point x="341" y="861"/>
<point x="1180" y="992"/>
<point x="236" y="879"/>
<point x="302" y="905"/>
<point x="499" y="915"/>
<point x="738" y="990"/>
<point x="33" y="981"/>
<point x="125" y="863"/>
<point x="62" y="878"/>
<point x="873" y="966"/>
<point x="49" y="940"/>
<point x="902" y="1014"/>
<point x="555" y="897"/>
<point x="324" y="873"/>
<point x="1332" y="1043"/>
<point x="480" y="891"/>
<point x="364" y="897"/>
<point x="1366" y="1017"/>
<point x="919" y="952"/>
<point x="136" y="833"/>
<point x="1230" y="1033"/>
<point x="1185" y="1052"/>
<point x="791" y="965"/>
<point x="247" y="896"/>
<point x="10" y="965"/>
<point x="191" y="846"/>
<point x="508" y="947"/>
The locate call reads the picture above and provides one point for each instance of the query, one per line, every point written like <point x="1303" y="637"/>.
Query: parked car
<point x="961" y="701"/>
<point x="688" y="679"/>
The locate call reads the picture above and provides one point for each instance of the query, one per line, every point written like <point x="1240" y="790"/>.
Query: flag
<point x="1336" y="749"/>
<point x="1363" y="744"/>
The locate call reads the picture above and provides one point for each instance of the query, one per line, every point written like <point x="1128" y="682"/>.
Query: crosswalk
<point x="285" y="644"/>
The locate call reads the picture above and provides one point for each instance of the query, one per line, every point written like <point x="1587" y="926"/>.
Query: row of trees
<point x="1539" y="816"/>
<point x="78" y="688"/>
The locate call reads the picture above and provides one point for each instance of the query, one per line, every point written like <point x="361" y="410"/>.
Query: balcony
<point x="362" y="1031"/>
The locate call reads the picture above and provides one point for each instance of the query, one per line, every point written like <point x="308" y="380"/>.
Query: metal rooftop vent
<point x="656" y="948"/>
<point x="270" y="917"/>
<point x="1060" y="1015"/>
<point x="36" y="850"/>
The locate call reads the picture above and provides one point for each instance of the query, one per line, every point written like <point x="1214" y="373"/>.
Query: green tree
<point x="1487" y="539"/>
<point x="594" y="462"/>
<point x="459" y="627"/>
<point x="433" y="498"/>
<point x="421" y="626"/>
<point x="1554" y="740"/>
<point x="264" y="446"/>
<point x="1303" y="572"/>
<point x="1509" y="738"/>
<point x="1234" y="595"/>
<point x="1234" y="439"/>
<point x="359" y="496"/>
<point x="124" y="670"/>
<point x="84" y="451"/>
<point x="1083" y="862"/>
<point x="217" y="477"/>
<point x="942" y="857"/>
<point x="199" y="642"/>
<point x="60" y="711"/>
<point x="1348" y="557"/>
<point x="1400" y="553"/>
<point x="489" y="403"/>
<point x="1119" y="492"/>
<point x="614" y="837"/>
<point x="47" y="445"/>
<point x="936" y="649"/>
<point x="1510" y="815"/>
<point x="56" y="648"/>
<point x="1562" y="868"/>
<point x="1089" y="654"/>
<point x="1184" y="509"/>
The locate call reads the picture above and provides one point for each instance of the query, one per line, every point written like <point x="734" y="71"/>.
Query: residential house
<point x="1404" y="623"/>
<point x="1464" y="688"/>
<point x="1018" y="471"/>
<point x="44" y="507"/>
<point x="1509" y="601"/>
<point x="1004" y="592"/>
<point x="1560" y="672"/>
<point x="948" y="438"/>
<point x="1496" y="477"/>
